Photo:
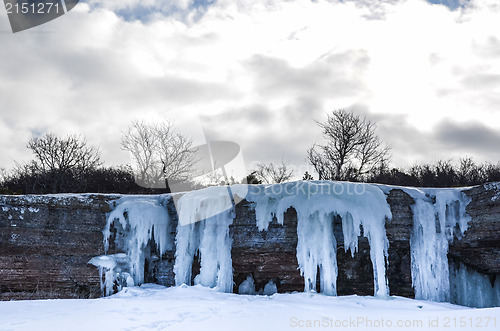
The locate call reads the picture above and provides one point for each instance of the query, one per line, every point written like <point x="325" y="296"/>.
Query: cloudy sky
<point x="259" y="73"/>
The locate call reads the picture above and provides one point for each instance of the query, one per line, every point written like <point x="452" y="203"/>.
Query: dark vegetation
<point x="440" y="174"/>
<point x="68" y="165"/>
<point x="352" y="152"/>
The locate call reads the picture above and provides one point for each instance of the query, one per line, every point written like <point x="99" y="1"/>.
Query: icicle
<point x="142" y="219"/>
<point x="434" y="225"/>
<point x="351" y="232"/>
<point x="428" y="255"/>
<point x="316" y="204"/>
<point x="209" y="251"/>
<point x="317" y="247"/>
<point x="470" y="288"/>
<point x="187" y="243"/>
<point x="113" y="271"/>
<point x="204" y="219"/>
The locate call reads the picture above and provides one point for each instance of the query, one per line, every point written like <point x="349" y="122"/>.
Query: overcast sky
<point x="259" y="73"/>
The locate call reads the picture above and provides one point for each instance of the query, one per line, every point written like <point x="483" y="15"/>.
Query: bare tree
<point x="274" y="172"/>
<point x="59" y="165"/>
<point x="352" y="148"/>
<point x="53" y="153"/>
<point x="159" y="153"/>
<point x="141" y="141"/>
<point x="175" y="151"/>
<point x="468" y="171"/>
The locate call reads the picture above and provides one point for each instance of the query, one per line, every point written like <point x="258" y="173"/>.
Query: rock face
<point x="398" y="231"/>
<point x="46" y="242"/>
<point x="479" y="248"/>
<point x="267" y="254"/>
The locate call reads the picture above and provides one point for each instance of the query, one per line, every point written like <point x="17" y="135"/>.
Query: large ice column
<point x="317" y="203"/>
<point x="317" y="247"/>
<point x="204" y="219"/>
<point x="438" y="215"/>
<point x="470" y="288"/>
<point x="142" y="219"/>
<point x="429" y="262"/>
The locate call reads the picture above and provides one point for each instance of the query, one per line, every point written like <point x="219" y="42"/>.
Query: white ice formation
<point x="247" y="286"/>
<point x="204" y="219"/>
<point x="317" y="203"/>
<point x="144" y="224"/>
<point x="113" y="272"/>
<point x="470" y="288"/>
<point x="138" y="221"/>
<point x="438" y="216"/>
<point x="270" y="288"/>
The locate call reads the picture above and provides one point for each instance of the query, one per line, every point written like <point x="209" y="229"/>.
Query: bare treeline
<point x="159" y="153"/>
<point x="271" y="172"/>
<point x="64" y="165"/>
<point x="353" y="151"/>
<point x="441" y="174"/>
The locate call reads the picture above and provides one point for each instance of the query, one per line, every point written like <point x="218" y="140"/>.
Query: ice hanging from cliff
<point x="317" y="203"/>
<point x="139" y="220"/>
<point x="470" y="288"/>
<point x="438" y="216"/>
<point x="204" y="219"/>
<point x="113" y="271"/>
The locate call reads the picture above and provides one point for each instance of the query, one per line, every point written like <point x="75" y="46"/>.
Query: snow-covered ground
<point x="154" y="307"/>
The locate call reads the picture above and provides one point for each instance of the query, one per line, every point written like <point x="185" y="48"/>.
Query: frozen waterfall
<point x="197" y="225"/>
<point x="317" y="203"/>
<point x="438" y="216"/>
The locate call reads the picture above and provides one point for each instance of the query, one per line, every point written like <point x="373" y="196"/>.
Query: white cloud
<point x="260" y="71"/>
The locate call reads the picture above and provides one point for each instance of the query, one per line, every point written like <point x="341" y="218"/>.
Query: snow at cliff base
<point x="154" y="307"/>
